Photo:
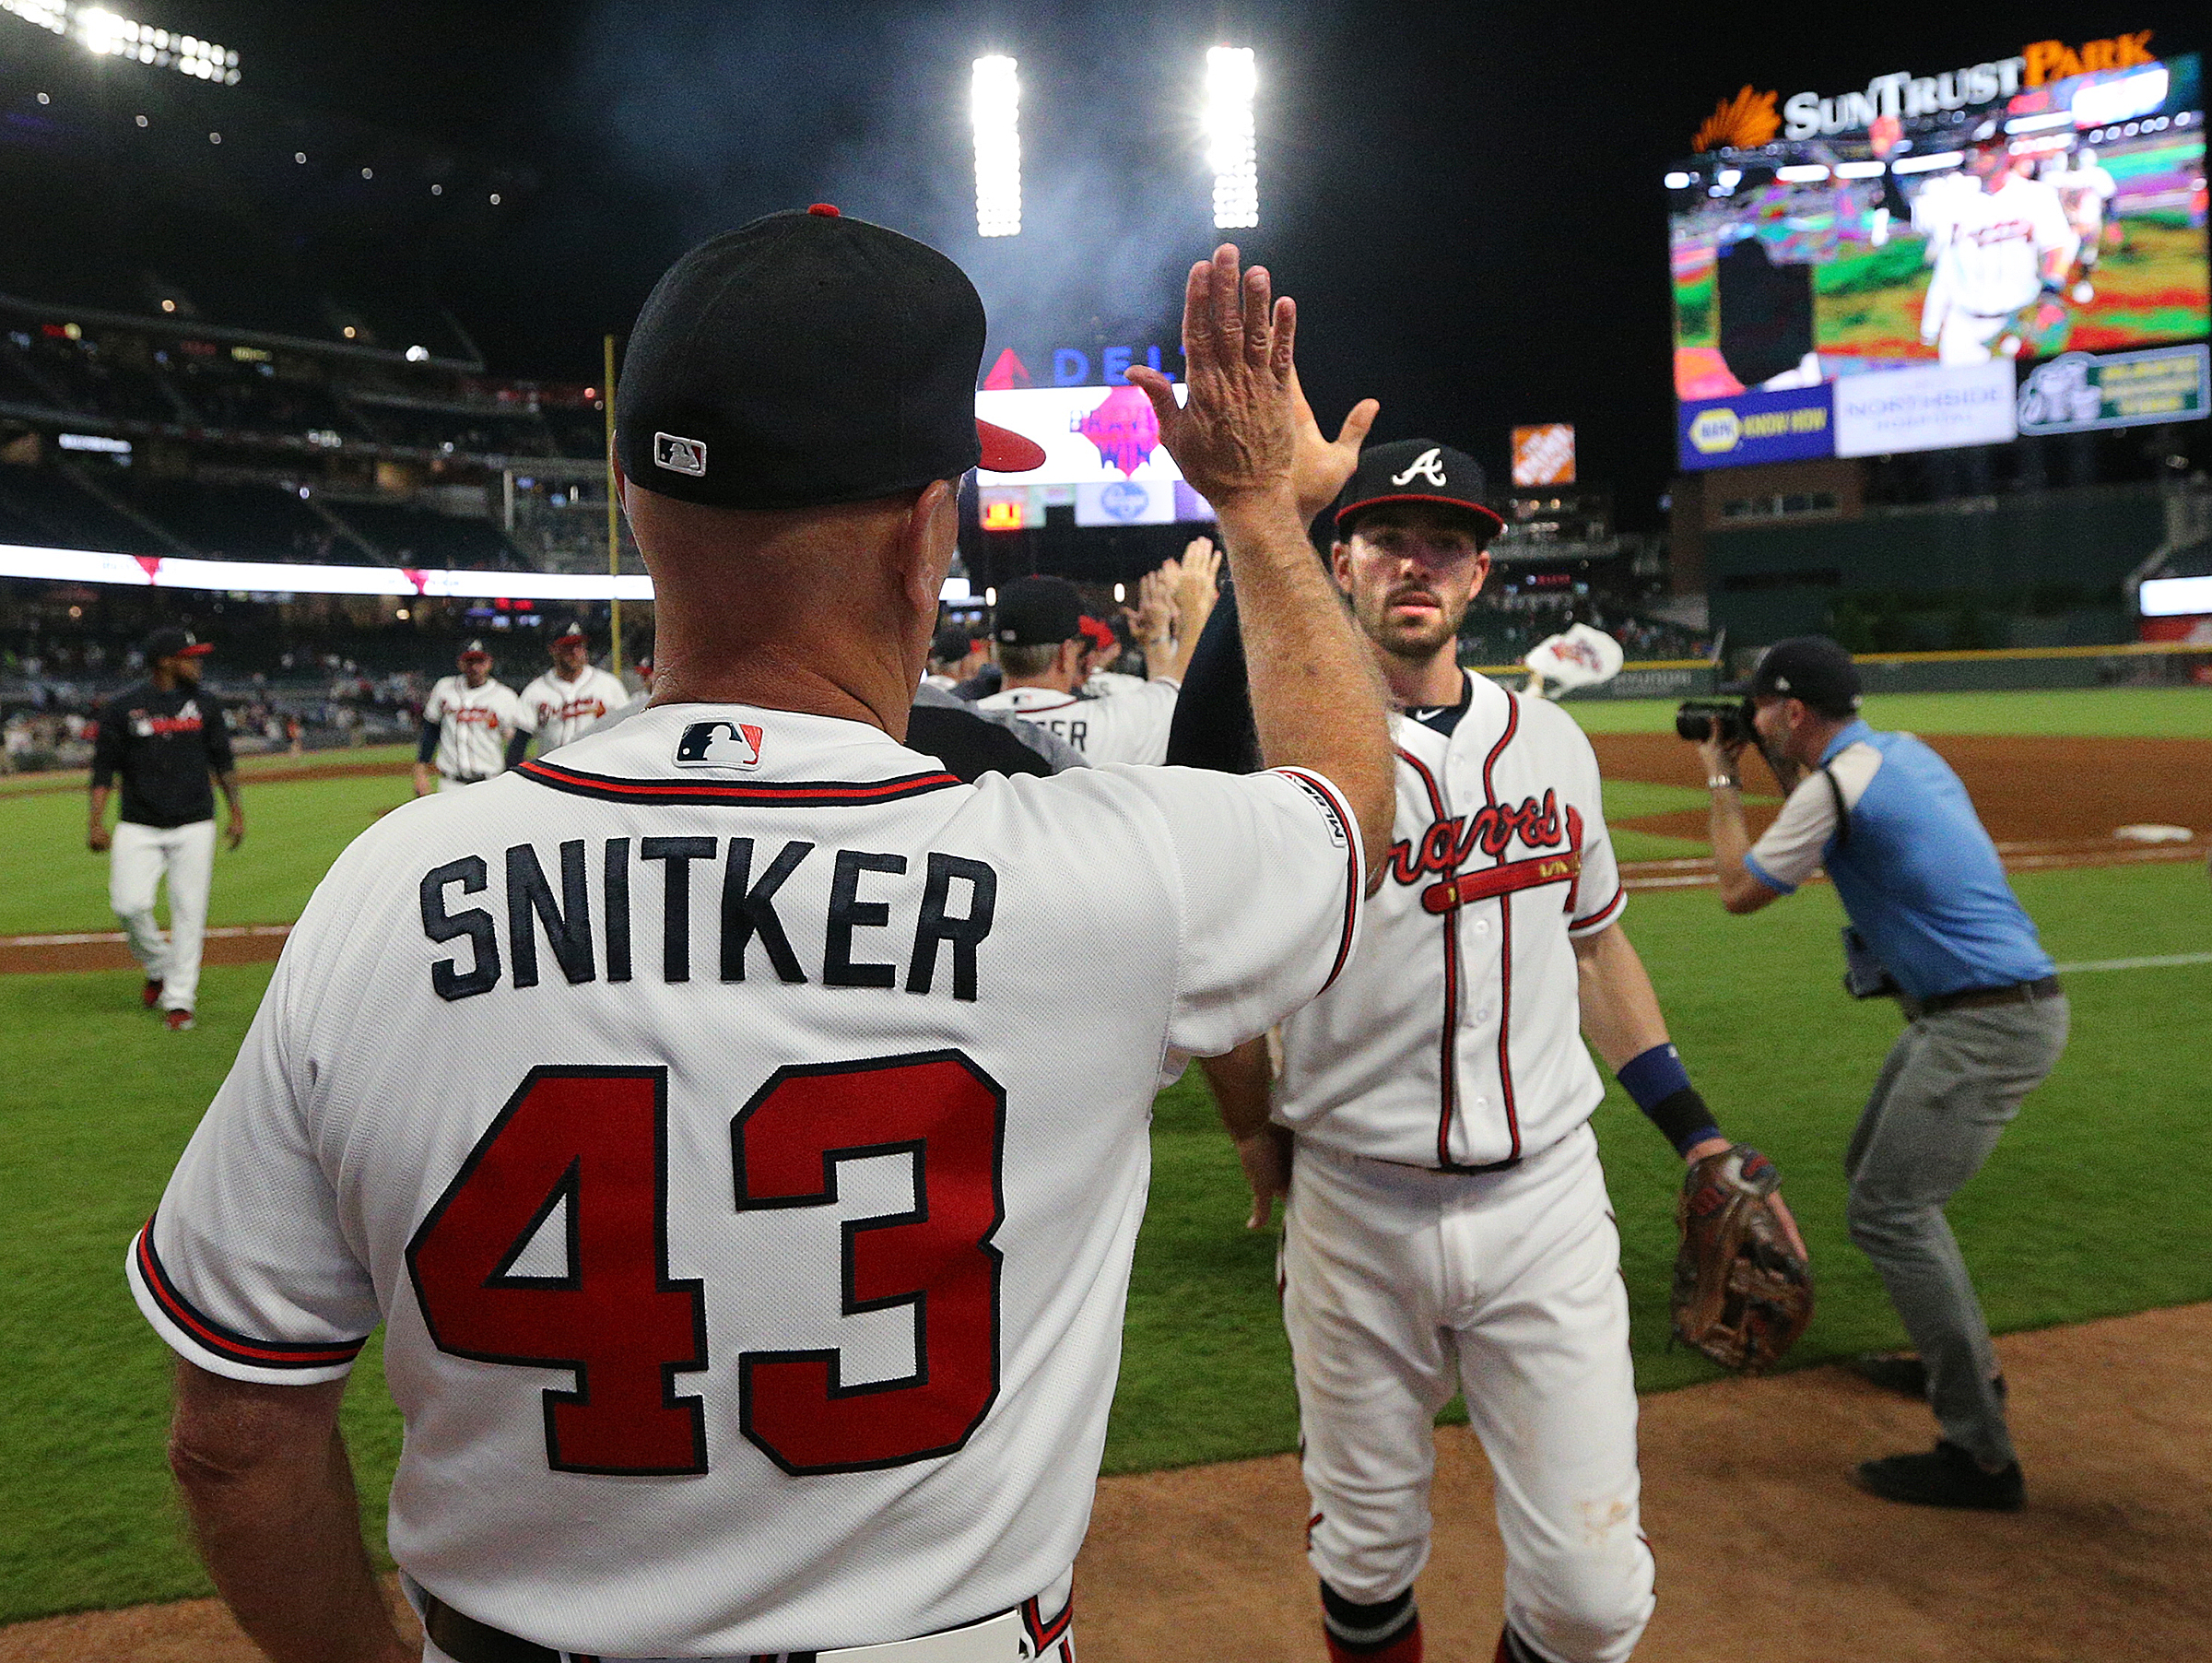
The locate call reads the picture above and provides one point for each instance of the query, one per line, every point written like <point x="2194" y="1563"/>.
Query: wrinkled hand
<point x="1238" y="435"/>
<point x="1265" y="1158"/>
<point x="1320" y="466"/>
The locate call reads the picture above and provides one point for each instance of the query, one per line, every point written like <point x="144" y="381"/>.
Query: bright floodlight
<point x="997" y="116"/>
<point x="102" y="31"/>
<point x="1231" y="146"/>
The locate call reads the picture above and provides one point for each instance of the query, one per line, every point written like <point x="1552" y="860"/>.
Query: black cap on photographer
<point x="1038" y="612"/>
<point x="806" y="360"/>
<point x="1811" y="667"/>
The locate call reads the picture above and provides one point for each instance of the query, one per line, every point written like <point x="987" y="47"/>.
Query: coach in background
<point x="473" y="727"/>
<point x="1934" y="922"/>
<point x="166" y="737"/>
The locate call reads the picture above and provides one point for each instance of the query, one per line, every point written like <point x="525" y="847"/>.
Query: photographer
<point x="1934" y="923"/>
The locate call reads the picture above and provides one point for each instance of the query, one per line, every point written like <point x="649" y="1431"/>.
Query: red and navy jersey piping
<point x="1505" y="942"/>
<point x="1355" y="880"/>
<point x="226" y="1342"/>
<point x="800" y="794"/>
<point x="1603" y="913"/>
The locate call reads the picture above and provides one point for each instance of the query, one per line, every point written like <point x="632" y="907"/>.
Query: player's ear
<point x="929" y="537"/>
<point x="1340" y="565"/>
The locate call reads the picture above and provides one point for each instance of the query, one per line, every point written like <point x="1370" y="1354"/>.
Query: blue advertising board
<point x="1757" y="426"/>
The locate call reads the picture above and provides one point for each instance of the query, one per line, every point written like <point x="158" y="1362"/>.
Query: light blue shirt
<point x="1918" y="873"/>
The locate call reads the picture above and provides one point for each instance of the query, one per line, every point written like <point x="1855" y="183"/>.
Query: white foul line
<point x="2157" y="962"/>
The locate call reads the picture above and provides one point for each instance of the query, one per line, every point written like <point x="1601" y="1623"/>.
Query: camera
<point x="1728" y="720"/>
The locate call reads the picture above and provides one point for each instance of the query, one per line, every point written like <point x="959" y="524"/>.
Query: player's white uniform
<point x="1104" y="684"/>
<point x="1990" y="264"/>
<point x="1448" y="1225"/>
<point x="474" y="725"/>
<point x="750" y="1225"/>
<point x="560" y="711"/>
<point x="1130" y="726"/>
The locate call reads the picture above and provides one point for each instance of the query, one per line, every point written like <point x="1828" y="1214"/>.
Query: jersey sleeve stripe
<point x="1354" y="879"/>
<point x="1604" y="913"/>
<point x="817" y="794"/>
<point x="1777" y="885"/>
<point x="226" y="1342"/>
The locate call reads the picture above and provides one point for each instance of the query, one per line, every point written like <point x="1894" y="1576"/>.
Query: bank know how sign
<point x="2080" y="390"/>
<point x="1756" y="426"/>
<point x="1933" y="408"/>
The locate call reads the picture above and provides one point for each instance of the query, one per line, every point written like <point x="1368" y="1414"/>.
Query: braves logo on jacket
<point x="1453" y="1039"/>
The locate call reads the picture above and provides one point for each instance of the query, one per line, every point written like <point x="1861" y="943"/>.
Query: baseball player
<point x="954" y="655"/>
<point x="749" y="1225"/>
<point x="1448" y="1227"/>
<point x="2086" y="191"/>
<point x="473" y="727"/>
<point x="574" y="696"/>
<point x="1043" y="647"/>
<point x="165" y="737"/>
<point x="1997" y="250"/>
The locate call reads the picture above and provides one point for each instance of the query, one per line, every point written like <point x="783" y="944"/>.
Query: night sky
<point x="1465" y="199"/>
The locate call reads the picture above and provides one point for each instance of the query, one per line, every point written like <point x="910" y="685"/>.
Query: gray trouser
<point x="1950" y="1084"/>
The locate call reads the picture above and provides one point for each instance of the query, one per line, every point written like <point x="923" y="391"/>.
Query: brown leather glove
<point x="1742" y="1293"/>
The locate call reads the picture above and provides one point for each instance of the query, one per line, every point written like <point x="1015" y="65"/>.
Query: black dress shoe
<point x="1945" y="1477"/>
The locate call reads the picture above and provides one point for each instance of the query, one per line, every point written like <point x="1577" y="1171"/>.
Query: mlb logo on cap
<point x="680" y="455"/>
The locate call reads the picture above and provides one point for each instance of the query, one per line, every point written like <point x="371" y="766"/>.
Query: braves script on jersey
<point x="691" y="1112"/>
<point x="1994" y="245"/>
<point x="473" y="724"/>
<point x="1130" y="726"/>
<point x="1452" y="1040"/>
<point x="559" y="710"/>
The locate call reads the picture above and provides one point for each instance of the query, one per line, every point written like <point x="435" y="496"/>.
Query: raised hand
<point x="1238" y="435"/>
<point x="1319" y="465"/>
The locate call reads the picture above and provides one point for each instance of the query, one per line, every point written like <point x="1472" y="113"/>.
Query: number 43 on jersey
<point x="593" y="1145"/>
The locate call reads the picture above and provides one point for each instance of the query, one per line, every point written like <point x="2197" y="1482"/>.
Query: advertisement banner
<point x="1091" y="435"/>
<point x="1126" y="502"/>
<point x="2077" y="392"/>
<point x="1756" y="426"/>
<point x="1931" y="410"/>
<point x="1545" y="455"/>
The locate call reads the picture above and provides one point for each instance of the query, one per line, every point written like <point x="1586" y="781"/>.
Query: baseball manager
<point x="748" y="1221"/>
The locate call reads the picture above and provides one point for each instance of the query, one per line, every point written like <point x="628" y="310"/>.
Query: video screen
<point x="1091" y="435"/>
<point x="2065" y="216"/>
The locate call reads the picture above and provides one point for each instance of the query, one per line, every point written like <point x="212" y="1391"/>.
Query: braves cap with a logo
<point x="1811" y="667"/>
<point x="1038" y="611"/>
<point x="173" y="642"/>
<point x="1415" y="470"/>
<point x="474" y="649"/>
<point x="806" y="360"/>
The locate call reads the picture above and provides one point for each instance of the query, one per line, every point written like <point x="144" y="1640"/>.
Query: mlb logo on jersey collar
<point x="719" y="745"/>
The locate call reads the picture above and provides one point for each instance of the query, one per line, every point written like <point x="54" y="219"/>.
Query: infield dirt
<point x="1765" y="1549"/>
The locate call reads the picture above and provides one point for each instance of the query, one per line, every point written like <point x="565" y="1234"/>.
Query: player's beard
<point x="1414" y="639"/>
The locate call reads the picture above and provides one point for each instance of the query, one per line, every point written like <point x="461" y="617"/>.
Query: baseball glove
<point x="1742" y="1293"/>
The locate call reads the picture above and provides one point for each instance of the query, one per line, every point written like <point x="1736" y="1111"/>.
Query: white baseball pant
<point x="1401" y="1285"/>
<point x="138" y="859"/>
<point x="1968" y="338"/>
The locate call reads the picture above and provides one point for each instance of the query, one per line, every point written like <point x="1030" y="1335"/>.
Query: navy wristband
<point x="1660" y="1085"/>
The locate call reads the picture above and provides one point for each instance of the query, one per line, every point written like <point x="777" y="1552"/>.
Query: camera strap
<point x="1842" y="813"/>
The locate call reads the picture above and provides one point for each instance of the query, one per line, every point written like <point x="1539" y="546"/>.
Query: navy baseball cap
<point x="1038" y="611"/>
<point x="806" y="360"/>
<point x="474" y="649"/>
<point x="173" y="642"/>
<point x="1811" y="667"/>
<point x="951" y="644"/>
<point x="1415" y="470"/>
<point x="572" y="630"/>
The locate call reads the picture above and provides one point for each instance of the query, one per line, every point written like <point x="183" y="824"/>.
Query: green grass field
<point x="2094" y="1204"/>
<point x="2115" y="713"/>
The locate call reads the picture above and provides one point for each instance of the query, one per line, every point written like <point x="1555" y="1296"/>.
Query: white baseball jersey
<point x="474" y="725"/>
<point x="1104" y="684"/>
<point x="1991" y="262"/>
<point x="1453" y="1040"/>
<point x="749" y="1219"/>
<point x="1131" y="726"/>
<point x="2085" y="192"/>
<point x="560" y="711"/>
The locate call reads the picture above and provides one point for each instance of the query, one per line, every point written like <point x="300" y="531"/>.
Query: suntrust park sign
<point x="1904" y="96"/>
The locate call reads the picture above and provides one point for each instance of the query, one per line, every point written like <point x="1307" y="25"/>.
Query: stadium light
<point x="1232" y="148"/>
<point x="99" y="30"/>
<point x="996" y="108"/>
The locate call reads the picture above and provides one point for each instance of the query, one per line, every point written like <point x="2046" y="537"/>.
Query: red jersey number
<point x="591" y="1144"/>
